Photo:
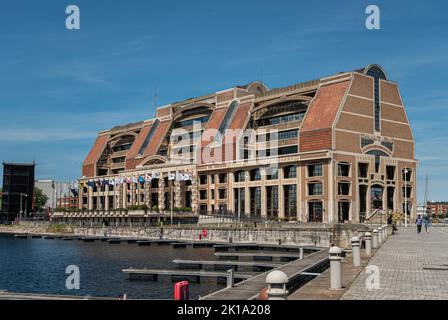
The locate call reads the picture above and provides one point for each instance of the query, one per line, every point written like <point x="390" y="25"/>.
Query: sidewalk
<point x="401" y="261"/>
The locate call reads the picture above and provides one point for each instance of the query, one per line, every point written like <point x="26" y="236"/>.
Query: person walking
<point x="419" y="222"/>
<point x="426" y="223"/>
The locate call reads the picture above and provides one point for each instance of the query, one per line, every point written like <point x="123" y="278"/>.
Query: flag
<point x="141" y="179"/>
<point x="90" y="184"/>
<point x="128" y="180"/>
<point x="74" y="192"/>
<point x="171" y="176"/>
<point x="134" y="179"/>
<point x="148" y="177"/>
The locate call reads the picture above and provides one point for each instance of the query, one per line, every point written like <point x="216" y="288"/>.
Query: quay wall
<point x="303" y="236"/>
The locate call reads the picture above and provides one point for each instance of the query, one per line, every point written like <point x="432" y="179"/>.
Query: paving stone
<point x="401" y="260"/>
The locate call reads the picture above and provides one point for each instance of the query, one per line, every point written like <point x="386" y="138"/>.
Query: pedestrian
<point x="419" y="222"/>
<point x="390" y="221"/>
<point x="426" y="223"/>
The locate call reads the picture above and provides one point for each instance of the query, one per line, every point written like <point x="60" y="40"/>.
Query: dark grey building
<point x="17" y="194"/>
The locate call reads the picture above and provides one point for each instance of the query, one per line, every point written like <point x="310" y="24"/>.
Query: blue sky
<point x="58" y="88"/>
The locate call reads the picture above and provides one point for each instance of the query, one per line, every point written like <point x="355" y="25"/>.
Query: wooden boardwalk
<point x="250" y="288"/>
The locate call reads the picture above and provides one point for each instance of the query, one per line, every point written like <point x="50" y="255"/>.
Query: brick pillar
<point x="161" y="192"/>
<point x="148" y="194"/>
<point x="194" y="192"/>
<point x="178" y="201"/>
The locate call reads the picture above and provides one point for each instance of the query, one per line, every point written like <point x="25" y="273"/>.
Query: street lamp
<point x="405" y="196"/>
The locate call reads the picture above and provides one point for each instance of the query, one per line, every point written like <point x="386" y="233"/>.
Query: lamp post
<point x="405" y="203"/>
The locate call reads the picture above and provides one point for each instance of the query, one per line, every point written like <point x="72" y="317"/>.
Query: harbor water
<point x="39" y="266"/>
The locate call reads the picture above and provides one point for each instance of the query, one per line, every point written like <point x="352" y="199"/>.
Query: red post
<point x="181" y="290"/>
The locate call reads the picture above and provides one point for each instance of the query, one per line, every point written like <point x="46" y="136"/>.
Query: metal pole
<point x="405" y="204"/>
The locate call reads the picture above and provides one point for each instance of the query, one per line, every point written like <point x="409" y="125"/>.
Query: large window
<point x="203" y="179"/>
<point x="271" y="173"/>
<point x="377" y="74"/>
<point x="287" y="150"/>
<point x="390" y="172"/>
<point x="239" y="201"/>
<point x="407" y="191"/>
<point x="222" y="193"/>
<point x="281" y="135"/>
<point x="315" y="189"/>
<point x="255" y="201"/>
<point x="290" y="194"/>
<point x="378" y="154"/>
<point x="315" y="210"/>
<point x="240" y="176"/>
<point x="272" y="200"/>
<point x="290" y="172"/>
<point x="343" y="188"/>
<point x="203" y="194"/>
<point x="406" y="175"/>
<point x="281" y="119"/>
<point x="363" y="170"/>
<point x="222" y="177"/>
<point x="343" y="169"/>
<point x="343" y="211"/>
<point x="315" y="170"/>
<point x="187" y="123"/>
<point x="255" y="175"/>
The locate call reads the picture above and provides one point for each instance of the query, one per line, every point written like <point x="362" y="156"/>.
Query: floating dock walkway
<point x="298" y="271"/>
<point x="225" y="265"/>
<point x="153" y="274"/>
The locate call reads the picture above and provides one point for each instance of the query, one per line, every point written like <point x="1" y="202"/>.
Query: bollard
<point x="301" y="253"/>
<point x="277" y="281"/>
<point x="375" y="239"/>
<point x="230" y="278"/>
<point x="356" y="255"/>
<point x="368" y="237"/>
<point x="380" y="235"/>
<point x="385" y="234"/>
<point x="335" y="268"/>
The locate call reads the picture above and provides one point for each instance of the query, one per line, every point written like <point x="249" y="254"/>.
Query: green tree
<point x="40" y="199"/>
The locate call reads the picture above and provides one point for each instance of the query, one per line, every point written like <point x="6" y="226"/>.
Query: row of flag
<point x="135" y="179"/>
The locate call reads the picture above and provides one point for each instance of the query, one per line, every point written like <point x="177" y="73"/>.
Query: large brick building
<point x="330" y="150"/>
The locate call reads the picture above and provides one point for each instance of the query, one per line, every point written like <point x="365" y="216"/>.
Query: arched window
<point x="378" y="154"/>
<point x="255" y="175"/>
<point x="377" y="73"/>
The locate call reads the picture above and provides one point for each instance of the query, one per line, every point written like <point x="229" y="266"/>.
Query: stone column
<point x="80" y="194"/>
<point x="281" y="195"/>
<point x="106" y="198"/>
<point x="194" y="192"/>
<point x="178" y="194"/>
<point x="246" y="209"/>
<point x="90" y="198"/>
<point x="264" y="212"/>
<point x="148" y="194"/>
<point x="161" y="192"/>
